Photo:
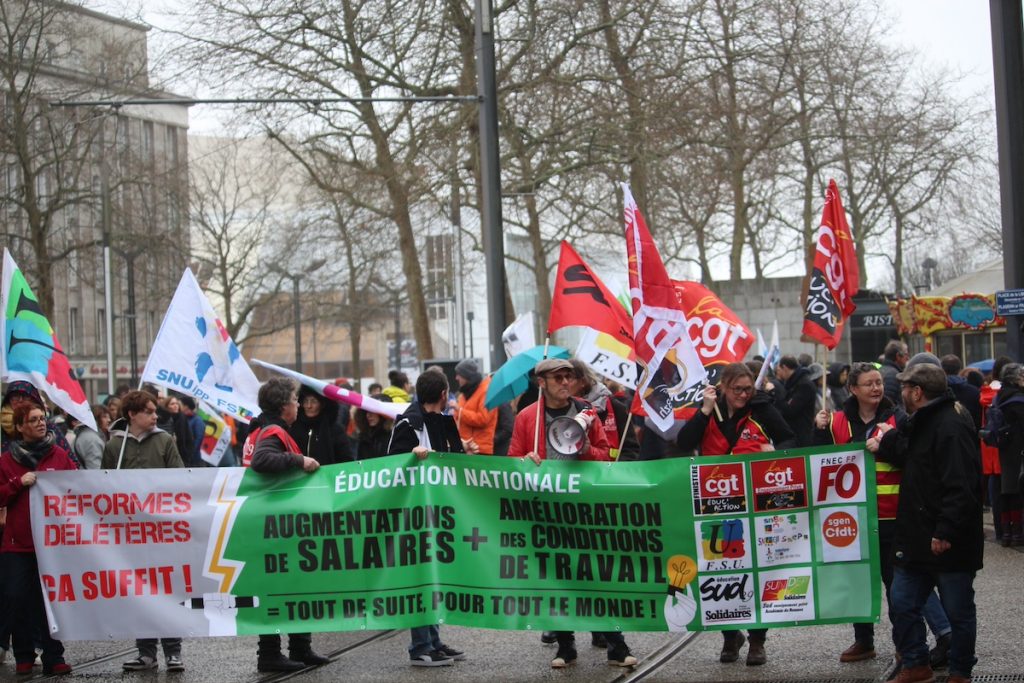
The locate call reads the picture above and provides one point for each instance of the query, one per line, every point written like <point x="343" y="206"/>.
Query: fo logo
<point x="839" y="529"/>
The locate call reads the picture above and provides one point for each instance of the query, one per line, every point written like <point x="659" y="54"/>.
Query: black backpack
<point x="996" y="431"/>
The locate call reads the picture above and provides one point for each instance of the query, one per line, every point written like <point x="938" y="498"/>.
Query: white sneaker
<point x="174" y="663"/>
<point x="3" y="655"/>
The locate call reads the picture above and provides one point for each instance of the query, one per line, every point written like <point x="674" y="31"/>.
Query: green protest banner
<point x="767" y="540"/>
<point x="772" y="539"/>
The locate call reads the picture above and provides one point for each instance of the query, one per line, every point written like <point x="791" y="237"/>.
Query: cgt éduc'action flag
<point x="580" y="298"/>
<point x="835" y="277"/>
<point x="668" y="362"/>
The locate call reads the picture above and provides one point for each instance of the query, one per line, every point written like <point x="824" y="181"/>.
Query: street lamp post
<point x="296" y="302"/>
<point x="469" y="319"/>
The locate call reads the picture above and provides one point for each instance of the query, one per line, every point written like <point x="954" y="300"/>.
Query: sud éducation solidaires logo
<point x="786" y="596"/>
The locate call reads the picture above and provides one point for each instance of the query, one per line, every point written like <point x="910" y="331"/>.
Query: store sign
<point x="99" y="371"/>
<point x="872" y="320"/>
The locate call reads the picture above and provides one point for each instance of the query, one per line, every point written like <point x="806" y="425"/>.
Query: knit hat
<point x="469" y="371"/>
<point x="923" y="357"/>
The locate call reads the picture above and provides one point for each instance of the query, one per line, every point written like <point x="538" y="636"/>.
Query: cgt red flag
<point x="668" y="363"/>
<point x="581" y="298"/>
<point x="835" y="277"/>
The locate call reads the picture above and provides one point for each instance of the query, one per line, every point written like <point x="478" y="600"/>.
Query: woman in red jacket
<point x="34" y="450"/>
<point x="745" y="422"/>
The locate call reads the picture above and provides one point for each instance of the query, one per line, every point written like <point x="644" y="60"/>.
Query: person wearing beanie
<point x="476" y="423"/>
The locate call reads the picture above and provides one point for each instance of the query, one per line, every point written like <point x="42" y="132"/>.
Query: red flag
<point x="665" y="355"/>
<point x="718" y="334"/>
<point x="581" y="298"/>
<point x="835" y="278"/>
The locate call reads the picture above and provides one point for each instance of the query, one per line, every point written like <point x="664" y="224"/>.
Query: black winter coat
<point x="322" y="437"/>
<point x="800" y="406"/>
<point x="1011" y="453"/>
<point x="940" y="494"/>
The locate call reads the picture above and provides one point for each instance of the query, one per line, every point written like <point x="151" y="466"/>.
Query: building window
<point x="74" y="330"/>
<point x="172" y="147"/>
<point x="101" y="331"/>
<point x="440" y="266"/>
<point x="147" y="142"/>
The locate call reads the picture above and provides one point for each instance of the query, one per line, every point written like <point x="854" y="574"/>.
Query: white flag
<point x="774" y="351"/>
<point x="762" y="347"/>
<point x="194" y="355"/>
<point x="519" y="336"/>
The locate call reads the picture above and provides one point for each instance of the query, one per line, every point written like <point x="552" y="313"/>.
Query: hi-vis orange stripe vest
<point x="887" y="477"/>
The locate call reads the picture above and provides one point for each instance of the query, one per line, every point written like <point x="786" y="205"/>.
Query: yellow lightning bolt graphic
<point x="226" y="571"/>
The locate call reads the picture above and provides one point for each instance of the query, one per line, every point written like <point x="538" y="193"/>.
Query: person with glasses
<point x="745" y="422"/>
<point x="136" y="443"/>
<point x="557" y="380"/>
<point x="34" y="450"/>
<point x="855" y="422"/>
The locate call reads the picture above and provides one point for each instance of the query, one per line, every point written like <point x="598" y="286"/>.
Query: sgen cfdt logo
<point x="840" y="479"/>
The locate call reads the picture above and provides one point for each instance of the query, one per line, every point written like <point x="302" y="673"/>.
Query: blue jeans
<point x="910" y="590"/>
<point x="424" y="639"/>
<point x="936" y="618"/>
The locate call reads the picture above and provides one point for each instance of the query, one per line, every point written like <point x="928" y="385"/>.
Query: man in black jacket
<point x="422" y="428"/>
<point x="939" y="537"/>
<point x="799" y="407"/>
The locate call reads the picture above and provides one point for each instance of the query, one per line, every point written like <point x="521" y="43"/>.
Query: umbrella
<point x="513" y="377"/>
<point x="983" y="365"/>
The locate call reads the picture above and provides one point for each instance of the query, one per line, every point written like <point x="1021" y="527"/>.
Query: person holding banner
<point x="34" y="450"/>
<point x="565" y="437"/>
<point x="137" y="443"/>
<point x="422" y="428"/>
<point x="269" y="449"/>
<point x="735" y="418"/>
<point x="857" y="420"/>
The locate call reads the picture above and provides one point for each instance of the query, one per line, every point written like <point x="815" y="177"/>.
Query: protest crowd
<point x="947" y="440"/>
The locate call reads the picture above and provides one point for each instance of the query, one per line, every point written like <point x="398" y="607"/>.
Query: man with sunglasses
<point x="939" y="539"/>
<point x="556" y="379"/>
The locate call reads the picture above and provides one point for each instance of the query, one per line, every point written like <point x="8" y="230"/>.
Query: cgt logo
<point x="839" y="529"/>
<point x="723" y="480"/>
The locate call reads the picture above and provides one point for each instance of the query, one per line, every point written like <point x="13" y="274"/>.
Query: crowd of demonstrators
<point x="475" y="420"/>
<point x="35" y="448"/>
<point x="196" y="428"/>
<point x="270" y="449"/>
<point x="939" y="538"/>
<point x="894" y="358"/>
<point x="317" y="430"/>
<point x="422" y="428"/>
<point x="373" y="433"/>
<point x="556" y="380"/>
<point x="136" y="442"/>
<point x="799" y="405"/>
<point x="968" y="395"/>
<point x="736" y="418"/>
<point x="1010" y="401"/>
<point x="400" y="389"/>
<point x="88" y="442"/>
<point x="172" y="420"/>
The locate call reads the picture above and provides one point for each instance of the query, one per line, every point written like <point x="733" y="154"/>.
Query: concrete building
<point x="89" y="173"/>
